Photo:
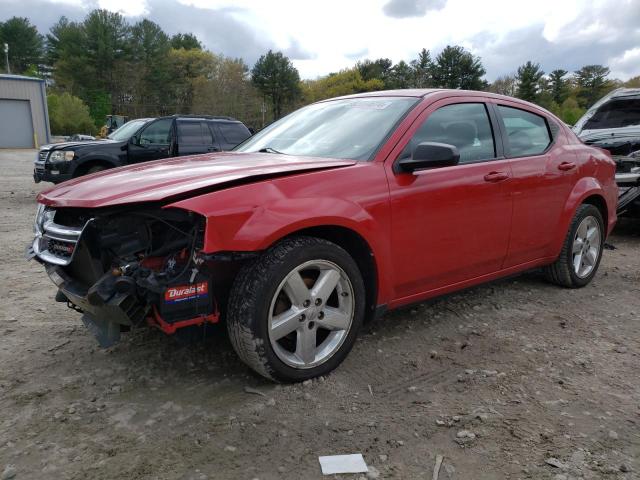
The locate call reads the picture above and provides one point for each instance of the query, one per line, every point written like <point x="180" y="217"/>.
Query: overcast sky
<point x="327" y="35"/>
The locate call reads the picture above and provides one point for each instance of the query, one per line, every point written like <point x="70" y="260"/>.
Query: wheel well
<point x="360" y="251"/>
<point x="89" y="164"/>
<point x="599" y="202"/>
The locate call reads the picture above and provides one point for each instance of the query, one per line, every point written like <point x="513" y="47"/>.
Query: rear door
<point x="450" y="224"/>
<point x="195" y="137"/>
<point x="544" y="173"/>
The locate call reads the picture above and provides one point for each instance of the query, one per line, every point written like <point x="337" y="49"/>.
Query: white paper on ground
<point x="353" y="463"/>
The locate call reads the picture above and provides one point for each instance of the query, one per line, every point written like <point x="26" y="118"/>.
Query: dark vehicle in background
<point x="613" y="123"/>
<point x="138" y="141"/>
<point x="78" y="137"/>
<point x="113" y="123"/>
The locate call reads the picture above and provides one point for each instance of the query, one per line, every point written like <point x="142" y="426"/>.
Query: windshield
<point x="126" y="131"/>
<point x="351" y="128"/>
<point x="617" y="113"/>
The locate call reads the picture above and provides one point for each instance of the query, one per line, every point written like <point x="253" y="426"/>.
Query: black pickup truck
<point x="137" y="141"/>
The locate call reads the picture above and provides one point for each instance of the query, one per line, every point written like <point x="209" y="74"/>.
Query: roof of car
<point x="423" y="92"/>
<point x="406" y="92"/>
<point x="222" y="118"/>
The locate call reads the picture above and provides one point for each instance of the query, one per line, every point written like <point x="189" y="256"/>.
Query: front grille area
<point x="61" y="249"/>
<point x="42" y="155"/>
<point x="55" y="243"/>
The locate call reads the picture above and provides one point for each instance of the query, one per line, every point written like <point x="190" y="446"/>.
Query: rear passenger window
<point x="194" y="133"/>
<point x="527" y="133"/>
<point x="464" y="125"/>
<point x="234" y="133"/>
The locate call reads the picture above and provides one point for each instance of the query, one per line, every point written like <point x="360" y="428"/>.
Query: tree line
<point x="105" y="65"/>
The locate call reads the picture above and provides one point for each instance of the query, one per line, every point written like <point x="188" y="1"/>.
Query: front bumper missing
<point x="104" y="317"/>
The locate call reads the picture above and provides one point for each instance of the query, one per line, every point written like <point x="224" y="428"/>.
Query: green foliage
<point x="570" y="112"/>
<point x="277" y="79"/>
<point x="401" y="76"/>
<point x="188" y="41"/>
<point x="227" y="90"/>
<point x="69" y="115"/>
<point x="529" y="76"/>
<point x="25" y="45"/>
<point x="592" y="84"/>
<point x="150" y="83"/>
<point x="67" y="55"/>
<point x="345" y="82"/>
<point x="423" y="70"/>
<point x="505" y="85"/>
<point x="375" y="70"/>
<point x="455" y="67"/>
<point x="186" y="68"/>
<point x="558" y="85"/>
<point x="99" y="106"/>
<point x="90" y="58"/>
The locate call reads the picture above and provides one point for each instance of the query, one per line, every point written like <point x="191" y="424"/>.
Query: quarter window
<point x="464" y="125"/>
<point x="234" y="133"/>
<point x="527" y="133"/>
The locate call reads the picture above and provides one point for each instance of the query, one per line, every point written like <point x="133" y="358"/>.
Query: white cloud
<point x="332" y="30"/>
<point x="129" y="8"/>
<point x="626" y="65"/>
<point x="328" y="35"/>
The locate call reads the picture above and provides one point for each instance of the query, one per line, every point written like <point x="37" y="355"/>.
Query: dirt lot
<point x="547" y="380"/>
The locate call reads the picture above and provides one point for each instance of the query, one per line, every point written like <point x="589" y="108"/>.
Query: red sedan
<point x="327" y="218"/>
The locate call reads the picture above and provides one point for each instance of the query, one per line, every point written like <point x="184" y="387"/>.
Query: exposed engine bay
<point x="127" y="267"/>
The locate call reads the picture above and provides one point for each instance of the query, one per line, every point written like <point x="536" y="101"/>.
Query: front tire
<point x="96" y="169"/>
<point x="294" y="313"/>
<point x="582" y="250"/>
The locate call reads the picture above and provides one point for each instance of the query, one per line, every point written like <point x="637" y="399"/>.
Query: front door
<point x="153" y="142"/>
<point x="450" y="224"/>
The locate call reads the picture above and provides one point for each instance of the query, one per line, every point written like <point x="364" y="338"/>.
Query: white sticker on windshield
<point x="375" y="105"/>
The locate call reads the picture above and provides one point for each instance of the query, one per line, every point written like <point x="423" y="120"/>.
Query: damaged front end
<point x="127" y="267"/>
<point x="613" y="123"/>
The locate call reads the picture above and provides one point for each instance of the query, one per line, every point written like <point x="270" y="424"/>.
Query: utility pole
<point x="6" y="56"/>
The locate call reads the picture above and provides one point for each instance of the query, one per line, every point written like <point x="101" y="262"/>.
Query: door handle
<point x="564" y="166"/>
<point x="213" y="149"/>
<point x="495" y="177"/>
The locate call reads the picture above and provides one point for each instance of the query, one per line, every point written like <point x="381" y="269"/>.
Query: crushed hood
<point x="166" y="179"/>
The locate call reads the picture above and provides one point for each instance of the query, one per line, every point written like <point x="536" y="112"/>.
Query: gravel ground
<point x="516" y="379"/>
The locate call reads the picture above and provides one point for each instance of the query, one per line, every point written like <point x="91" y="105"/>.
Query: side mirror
<point x="429" y="155"/>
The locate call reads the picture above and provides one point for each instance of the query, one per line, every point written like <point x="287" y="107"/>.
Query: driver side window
<point x="158" y="133"/>
<point x="463" y="125"/>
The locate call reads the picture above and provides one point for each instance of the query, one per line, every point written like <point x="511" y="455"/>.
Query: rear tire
<point x="582" y="250"/>
<point x="294" y="313"/>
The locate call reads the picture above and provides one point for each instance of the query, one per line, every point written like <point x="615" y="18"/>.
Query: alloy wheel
<point x="586" y="247"/>
<point x="311" y="314"/>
